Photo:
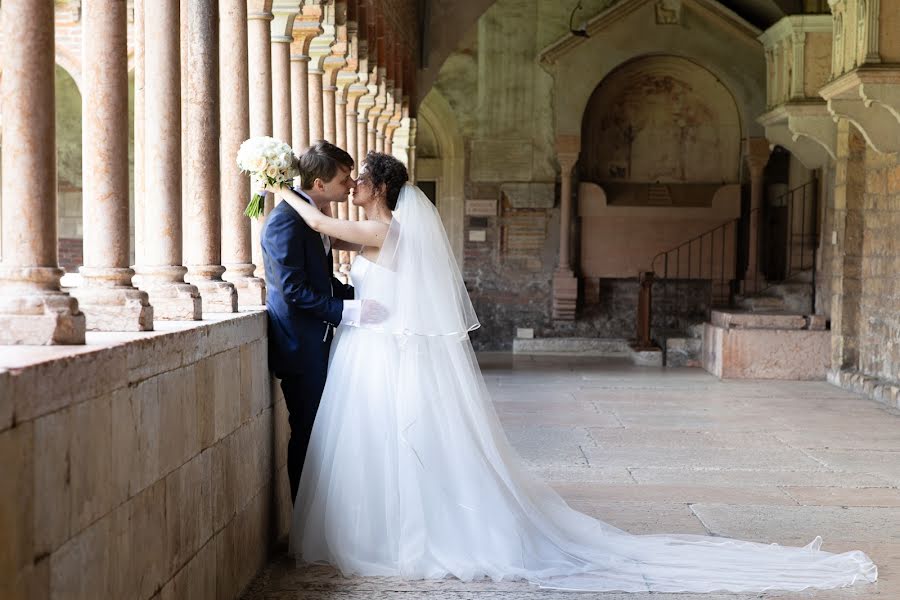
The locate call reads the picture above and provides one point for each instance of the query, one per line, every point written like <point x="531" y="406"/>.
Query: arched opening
<point x="440" y="165"/>
<point x="70" y="200"/>
<point x="69" y="172"/>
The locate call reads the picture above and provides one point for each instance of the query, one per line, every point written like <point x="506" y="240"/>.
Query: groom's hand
<point x="372" y="313"/>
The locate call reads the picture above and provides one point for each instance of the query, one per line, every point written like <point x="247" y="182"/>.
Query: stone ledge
<point x="869" y="98"/>
<point x="732" y="319"/>
<point x="66" y="375"/>
<point x="880" y="390"/>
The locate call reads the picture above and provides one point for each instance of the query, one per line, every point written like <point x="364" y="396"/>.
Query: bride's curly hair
<point x="385" y="169"/>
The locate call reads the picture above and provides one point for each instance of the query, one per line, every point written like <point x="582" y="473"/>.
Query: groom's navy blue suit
<point x="304" y="302"/>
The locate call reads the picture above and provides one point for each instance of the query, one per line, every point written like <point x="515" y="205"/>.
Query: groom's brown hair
<point x="322" y="161"/>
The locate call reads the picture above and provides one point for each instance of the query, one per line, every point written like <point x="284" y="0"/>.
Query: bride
<point x="409" y="473"/>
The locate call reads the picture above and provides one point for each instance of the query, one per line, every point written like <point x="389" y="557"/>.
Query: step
<point x="737" y="319"/>
<point x="761" y="303"/>
<point x="684" y="352"/>
<point x="573" y="346"/>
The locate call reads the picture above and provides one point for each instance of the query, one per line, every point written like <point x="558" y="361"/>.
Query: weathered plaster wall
<point x="509" y="108"/>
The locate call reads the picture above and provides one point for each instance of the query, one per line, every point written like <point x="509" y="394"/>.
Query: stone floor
<point x="654" y="451"/>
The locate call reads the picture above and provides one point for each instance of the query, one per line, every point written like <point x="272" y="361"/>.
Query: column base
<point x="32" y="312"/>
<point x="251" y="291"/>
<point x="565" y="295"/>
<point x="115" y="309"/>
<point x="172" y="299"/>
<point x="217" y="296"/>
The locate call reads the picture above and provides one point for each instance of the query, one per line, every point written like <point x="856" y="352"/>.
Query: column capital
<point x="756" y="153"/>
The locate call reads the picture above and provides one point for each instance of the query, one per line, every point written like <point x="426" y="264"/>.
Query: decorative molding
<point x="809" y="151"/>
<point x="619" y="10"/>
<point x="870" y="99"/>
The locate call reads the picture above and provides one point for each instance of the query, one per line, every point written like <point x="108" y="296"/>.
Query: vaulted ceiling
<point x="450" y="20"/>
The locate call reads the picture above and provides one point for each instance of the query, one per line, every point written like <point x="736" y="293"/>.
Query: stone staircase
<point x="791" y="296"/>
<point x="684" y="348"/>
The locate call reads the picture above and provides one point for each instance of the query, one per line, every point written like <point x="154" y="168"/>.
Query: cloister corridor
<point x="677" y="450"/>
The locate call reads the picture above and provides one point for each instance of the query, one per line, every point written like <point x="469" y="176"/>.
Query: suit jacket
<point x="303" y="298"/>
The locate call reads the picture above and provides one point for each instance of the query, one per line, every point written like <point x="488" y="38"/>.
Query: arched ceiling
<point x="450" y="20"/>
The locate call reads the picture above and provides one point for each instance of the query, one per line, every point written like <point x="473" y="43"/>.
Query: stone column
<point x="139" y="182"/>
<point x="202" y="213"/>
<point x="300" y="102"/>
<point x="328" y="109"/>
<point x="106" y="295"/>
<point x="411" y="149"/>
<point x="259" y="59"/>
<point x="362" y="137"/>
<point x="235" y="128"/>
<point x="565" y="284"/>
<point x="33" y="310"/>
<point x="282" y="24"/>
<point x="161" y="271"/>
<point x="757" y="156"/>
<point x="316" y="110"/>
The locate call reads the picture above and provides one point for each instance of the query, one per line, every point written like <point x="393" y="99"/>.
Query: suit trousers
<point x="302" y="393"/>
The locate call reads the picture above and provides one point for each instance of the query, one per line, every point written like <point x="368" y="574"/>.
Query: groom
<point x="304" y="301"/>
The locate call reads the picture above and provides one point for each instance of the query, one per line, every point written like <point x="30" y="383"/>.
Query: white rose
<point x="272" y="171"/>
<point x="257" y="164"/>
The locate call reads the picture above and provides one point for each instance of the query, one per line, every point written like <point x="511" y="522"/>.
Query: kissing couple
<point x="398" y="463"/>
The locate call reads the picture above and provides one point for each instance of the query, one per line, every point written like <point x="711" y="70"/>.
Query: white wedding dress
<point x="409" y="473"/>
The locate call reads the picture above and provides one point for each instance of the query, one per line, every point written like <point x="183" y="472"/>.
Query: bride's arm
<point x="365" y="233"/>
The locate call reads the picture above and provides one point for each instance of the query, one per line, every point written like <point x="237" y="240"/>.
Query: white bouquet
<point x="269" y="162"/>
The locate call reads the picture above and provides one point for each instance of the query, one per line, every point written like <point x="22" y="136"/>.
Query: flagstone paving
<point x="652" y="450"/>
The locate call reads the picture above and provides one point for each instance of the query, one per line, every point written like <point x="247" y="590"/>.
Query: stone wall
<point x="861" y="262"/>
<point x="141" y="465"/>
<point x="879" y="311"/>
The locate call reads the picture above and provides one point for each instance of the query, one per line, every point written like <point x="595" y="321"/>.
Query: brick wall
<point x="71" y="254"/>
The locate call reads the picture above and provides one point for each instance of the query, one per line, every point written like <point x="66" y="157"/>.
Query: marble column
<point x="161" y="271"/>
<point x="259" y="60"/>
<point x="343" y="208"/>
<point x="139" y="181"/>
<point x="328" y="109"/>
<point x="106" y="295"/>
<point x="33" y="310"/>
<point x="235" y="128"/>
<point x="757" y="156"/>
<point x="362" y="138"/>
<point x="300" y="102"/>
<point x="565" y="284"/>
<point x="282" y="24"/>
<point x="202" y="212"/>
<point x="316" y="110"/>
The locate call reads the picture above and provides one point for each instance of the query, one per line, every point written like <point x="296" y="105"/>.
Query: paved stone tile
<point x="655" y="450"/>
<point x="583" y="414"/>
<point x="755" y="477"/>
<point x="789" y="524"/>
<point x="840" y="496"/>
<point x="593" y="492"/>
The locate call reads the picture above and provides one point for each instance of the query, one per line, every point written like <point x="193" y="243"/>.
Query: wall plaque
<point x="477" y="235"/>
<point x="481" y="208"/>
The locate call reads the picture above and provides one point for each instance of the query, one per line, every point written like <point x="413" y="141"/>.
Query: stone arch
<point x="70" y="62"/>
<point x="660" y="119"/>
<point x="438" y="134"/>
<point x="69" y="168"/>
